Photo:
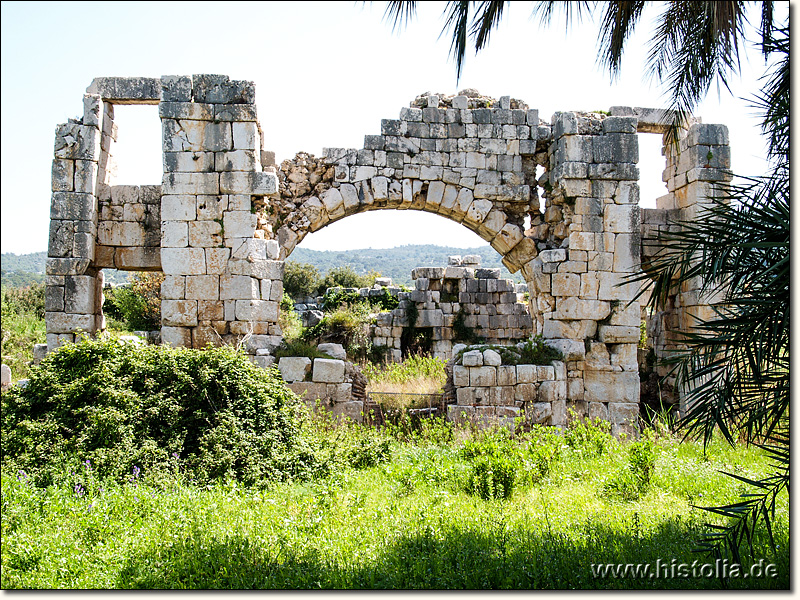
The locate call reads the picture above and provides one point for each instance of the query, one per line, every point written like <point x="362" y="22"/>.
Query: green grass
<point x="408" y="522"/>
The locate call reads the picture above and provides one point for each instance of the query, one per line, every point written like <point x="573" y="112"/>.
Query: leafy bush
<point x="632" y="483"/>
<point x="122" y="406"/>
<point x="346" y="277"/>
<point x="137" y="304"/>
<point x="298" y="347"/>
<point x="335" y="297"/>
<point x="288" y="320"/>
<point x="300" y="279"/>
<point x="496" y="460"/>
<point x="22" y="326"/>
<point x="347" y="325"/>
<point x="542" y="450"/>
<point x="589" y="437"/>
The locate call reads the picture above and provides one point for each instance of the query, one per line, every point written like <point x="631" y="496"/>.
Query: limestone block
<point x="492" y="358"/>
<point x="477" y="211"/>
<point x="571" y="349"/>
<point x="483" y="376"/>
<point x="202" y="287"/>
<point x="616" y="148"/>
<point x="61" y="322"/>
<point x="173" y="287"/>
<point x="506" y="375"/>
<point x="257" y="310"/>
<point x="216" y="260"/>
<point x="239" y="224"/>
<point x="552" y="256"/>
<point x="569" y="329"/>
<point x="472" y="358"/>
<point x="328" y="370"/>
<point x="195" y="111"/>
<point x="80" y="294"/>
<point x="237" y="160"/>
<point x="205" y="234"/>
<point x="527" y="374"/>
<point x="294" y="368"/>
<point x="353" y="410"/>
<point x="610" y="386"/>
<point x="183" y="261"/>
<point x="54" y="298"/>
<point x="73" y="206"/>
<point x="77" y="142"/>
<point x="179" y="313"/>
<point x="210" y="310"/>
<point x="618" y="334"/>
<point x="340" y="392"/>
<point x="220" y="89"/>
<point x="623" y="412"/>
<point x="189" y="162"/>
<point x="552" y="391"/>
<point x="174" y="234"/>
<point x="256" y="343"/>
<point x="430" y="318"/>
<point x="245" y="136"/>
<point x="613" y="286"/>
<point x="177" y="337"/>
<point x="570" y="308"/>
<point x="238" y="287"/>
<point x="598" y="410"/>
<point x="256" y="183"/>
<point x="190" y="183"/>
<point x="336" y="351"/>
<point x="566" y="284"/>
<point x="540" y="413"/>
<point x="62" y="173"/>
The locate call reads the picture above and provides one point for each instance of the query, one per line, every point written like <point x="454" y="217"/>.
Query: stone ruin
<point x="558" y="200"/>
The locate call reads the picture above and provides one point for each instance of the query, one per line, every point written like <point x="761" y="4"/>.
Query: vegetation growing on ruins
<point x="736" y="363"/>
<point x="438" y="507"/>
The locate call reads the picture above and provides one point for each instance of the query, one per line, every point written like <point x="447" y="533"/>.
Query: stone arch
<point x="228" y="215"/>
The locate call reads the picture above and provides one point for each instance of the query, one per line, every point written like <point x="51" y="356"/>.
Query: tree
<point x="736" y="364"/>
<point x="300" y="279"/>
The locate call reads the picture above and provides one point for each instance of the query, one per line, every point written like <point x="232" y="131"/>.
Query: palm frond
<point x="457" y="24"/>
<point x="400" y="12"/>
<point x="618" y="22"/>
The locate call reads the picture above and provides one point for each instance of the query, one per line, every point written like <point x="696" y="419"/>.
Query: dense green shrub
<point x="634" y="481"/>
<point x="347" y="325"/>
<point x="346" y="277"/>
<point x="495" y="462"/>
<point x="137" y="304"/>
<point x="300" y="279"/>
<point x="589" y="437"/>
<point x="335" y="297"/>
<point x="122" y="406"/>
<point x="299" y="347"/>
<point x="22" y="326"/>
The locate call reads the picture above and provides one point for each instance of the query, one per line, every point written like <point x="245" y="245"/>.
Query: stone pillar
<point x="223" y="280"/>
<point x="592" y="245"/>
<point x="74" y="287"/>
<point x="699" y="162"/>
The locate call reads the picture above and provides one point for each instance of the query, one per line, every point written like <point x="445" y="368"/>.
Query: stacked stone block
<point x="129" y="228"/>
<point x="491" y="393"/>
<point x="487" y="304"/>
<point x="223" y="278"/>
<point x="323" y="380"/>
<point x="590" y="244"/>
<point x="450" y="157"/>
<point x="74" y="285"/>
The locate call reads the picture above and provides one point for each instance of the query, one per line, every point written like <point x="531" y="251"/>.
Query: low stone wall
<point x="488" y="392"/>
<point x="335" y="383"/>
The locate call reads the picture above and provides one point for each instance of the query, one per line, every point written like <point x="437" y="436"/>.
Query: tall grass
<point x="21" y="326"/>
<point x="417" y="374"/>
<point x="412" y="522"/>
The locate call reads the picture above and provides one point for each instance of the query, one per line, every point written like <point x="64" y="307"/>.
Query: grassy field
<point x="413" y="521"/>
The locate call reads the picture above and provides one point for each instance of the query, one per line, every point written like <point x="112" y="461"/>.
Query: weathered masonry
<point x="558" y="200"/>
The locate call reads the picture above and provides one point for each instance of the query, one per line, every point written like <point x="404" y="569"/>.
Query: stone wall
<point x="558" y="200"/>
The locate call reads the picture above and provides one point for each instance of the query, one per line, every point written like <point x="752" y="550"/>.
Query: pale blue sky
<point x="325" y="73"/>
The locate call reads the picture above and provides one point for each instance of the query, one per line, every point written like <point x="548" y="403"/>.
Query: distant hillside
<point x="23" y="269"/>
<point x="397" y="263"/>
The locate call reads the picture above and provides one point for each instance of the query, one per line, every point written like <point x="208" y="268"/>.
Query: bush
<point x="288" y="320"/>
<point x="495" y="459"/>
<point x="589" y="437"/>
<point x="300" y="279"/>
<point x="22" y="326"/>
<point x="137" y="304"/>
<point x="346" y="277"/>
<point x="347" y="325"/>
<point x="335" y="297"/>
<point x="122" y="406"/>
<point x="632" y="483"/>
<point x="298" y="347"/>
